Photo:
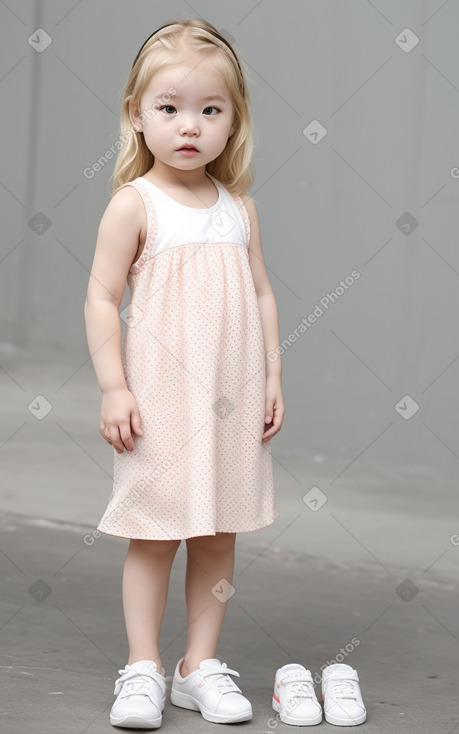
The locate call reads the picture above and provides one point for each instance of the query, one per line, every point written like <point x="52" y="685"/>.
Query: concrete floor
<point x="305" y="586"/>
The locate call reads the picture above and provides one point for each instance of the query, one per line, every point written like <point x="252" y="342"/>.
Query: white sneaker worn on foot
<point x="343" y="704"/>
<point x="141" y="696"/>
<point x="294" y="696"/>
<point x="211" y="691"/>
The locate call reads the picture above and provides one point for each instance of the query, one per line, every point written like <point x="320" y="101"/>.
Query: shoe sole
<point x="135" y="722"/>
<point x="185" y="701"/>
<point x="296" y="722"/>
<point x="345" y="722"/>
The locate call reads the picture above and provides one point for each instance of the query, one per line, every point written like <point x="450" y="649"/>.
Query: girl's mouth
<point x="188" y="151"/>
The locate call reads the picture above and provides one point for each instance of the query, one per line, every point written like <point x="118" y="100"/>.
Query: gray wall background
<point x="377" y="194"/>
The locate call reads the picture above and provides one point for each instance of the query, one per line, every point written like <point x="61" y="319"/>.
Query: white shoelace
<point x="301" y="686"/>
<point x="141" y="686"/>
<point x="343" y="688"/>
<point x="221" y="678"/>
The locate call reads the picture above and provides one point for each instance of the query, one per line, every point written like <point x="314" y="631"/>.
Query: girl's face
<point x="186" y="103"/>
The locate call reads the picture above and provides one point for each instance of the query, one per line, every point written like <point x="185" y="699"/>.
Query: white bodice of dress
<point x="178" y="224"/>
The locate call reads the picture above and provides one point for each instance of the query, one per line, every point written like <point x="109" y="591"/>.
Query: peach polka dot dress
<point x="194" y="359"/>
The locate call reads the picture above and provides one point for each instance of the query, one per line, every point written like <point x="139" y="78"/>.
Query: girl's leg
<point x="210" y="558"/>
<point x="145" y="586"/>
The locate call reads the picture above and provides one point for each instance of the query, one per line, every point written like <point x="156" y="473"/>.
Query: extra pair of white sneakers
<point x="141" y="695"/>
<point x="295" y="699"/>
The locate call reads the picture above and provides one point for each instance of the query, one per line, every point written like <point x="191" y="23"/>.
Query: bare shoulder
<point x="249" y="203"/>
<point x="256" y="256"/>
<point x="126" y="204"/>
<point x="117" y="245"/>
<point x="125" y="217"/>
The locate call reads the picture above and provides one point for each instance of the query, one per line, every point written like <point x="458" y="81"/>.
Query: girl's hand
<point x="274" y="407"/>
<point x="119" y="414"/>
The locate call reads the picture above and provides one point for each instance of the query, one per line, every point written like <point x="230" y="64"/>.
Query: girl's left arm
<point x="275" y="407"/>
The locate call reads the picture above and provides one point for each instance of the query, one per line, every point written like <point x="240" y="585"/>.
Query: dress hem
<point x="196" y="535"/>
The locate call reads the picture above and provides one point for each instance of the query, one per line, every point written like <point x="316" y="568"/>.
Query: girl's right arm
<point x="116" y="247"/>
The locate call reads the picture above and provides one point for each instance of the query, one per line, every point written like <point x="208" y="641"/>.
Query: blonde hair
<point x="234" y="166"/>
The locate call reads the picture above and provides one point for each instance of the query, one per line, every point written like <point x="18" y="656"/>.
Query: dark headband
<point x="217" y="35"/>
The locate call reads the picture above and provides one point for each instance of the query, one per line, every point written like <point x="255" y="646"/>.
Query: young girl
<point x="193" y="399"/>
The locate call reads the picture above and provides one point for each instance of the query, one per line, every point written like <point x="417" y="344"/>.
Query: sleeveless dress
<point x="193" y="357"/>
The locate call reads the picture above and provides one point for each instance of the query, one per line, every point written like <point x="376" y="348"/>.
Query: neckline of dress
<point x="184" y="206"/>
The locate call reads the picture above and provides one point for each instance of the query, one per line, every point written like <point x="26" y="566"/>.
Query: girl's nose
<point x="189" y="128"/>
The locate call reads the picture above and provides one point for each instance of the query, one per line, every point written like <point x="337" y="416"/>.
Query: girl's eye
<point x="170" y="106"/>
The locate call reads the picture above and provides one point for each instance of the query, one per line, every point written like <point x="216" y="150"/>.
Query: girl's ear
<point x="232" y="130"/>
<point x="135" y="116"/>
